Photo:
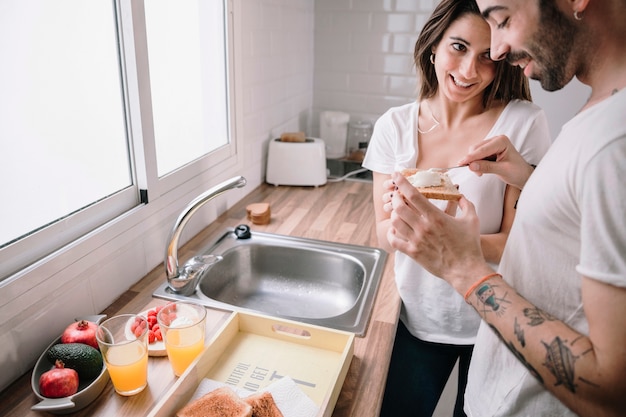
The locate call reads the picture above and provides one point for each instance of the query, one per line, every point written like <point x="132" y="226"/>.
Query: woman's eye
<point x="458" y="47"/>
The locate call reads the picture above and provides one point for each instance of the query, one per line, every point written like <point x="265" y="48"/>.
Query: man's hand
<point x="446" y="246"/>
<point x="509" y="165"/>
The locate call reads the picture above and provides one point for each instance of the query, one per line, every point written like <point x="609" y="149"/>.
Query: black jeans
<point x="418" y="374"/>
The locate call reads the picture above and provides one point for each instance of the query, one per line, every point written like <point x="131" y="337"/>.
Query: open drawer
<point x="252" y="351"/>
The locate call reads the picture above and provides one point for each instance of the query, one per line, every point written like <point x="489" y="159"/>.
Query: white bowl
<point x="87" y="390"/>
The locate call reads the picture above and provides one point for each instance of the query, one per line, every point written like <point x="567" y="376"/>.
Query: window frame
<point x="140" y="107"/>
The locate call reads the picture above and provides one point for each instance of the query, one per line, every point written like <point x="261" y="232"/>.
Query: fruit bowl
<point x="88" y="390"/>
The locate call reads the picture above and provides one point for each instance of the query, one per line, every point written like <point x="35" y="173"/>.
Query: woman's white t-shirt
<point x="431" y="309"/>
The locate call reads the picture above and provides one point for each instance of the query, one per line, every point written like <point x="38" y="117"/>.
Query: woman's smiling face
<point x="462" y="63"/>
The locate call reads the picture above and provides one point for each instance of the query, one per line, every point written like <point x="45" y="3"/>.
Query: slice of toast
<point x="293" y="137"/>
<point x="221" y="402"/>
<point x="263" y="405"/>
<point x="444" y="191"/>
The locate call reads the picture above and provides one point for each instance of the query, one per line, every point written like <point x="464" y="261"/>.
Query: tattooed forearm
<point x="559" y="358"/>
<point x="537" y="316"/>
<point x="556" y="365"/>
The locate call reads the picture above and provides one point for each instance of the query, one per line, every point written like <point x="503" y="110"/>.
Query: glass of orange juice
<point x="125" y="352"/>
<point x="183" y="327"/>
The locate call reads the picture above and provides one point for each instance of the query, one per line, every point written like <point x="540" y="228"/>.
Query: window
<point x="83" y="139"/>
<point x="188" y="88"/>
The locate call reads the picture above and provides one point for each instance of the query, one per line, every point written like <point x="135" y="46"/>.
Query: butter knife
<point x="491" y="158"/>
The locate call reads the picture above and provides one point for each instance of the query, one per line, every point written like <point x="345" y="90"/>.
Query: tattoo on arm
<point x="581" y="338"/>
<point x="559" y="358"/>
<point x="491" y="302"/>
<point x="519" y="333"/>
<point x="560" y="362"/>
<point x="536" y="316"/>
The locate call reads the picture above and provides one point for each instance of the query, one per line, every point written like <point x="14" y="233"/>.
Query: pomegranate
<point x="58" y="382"/>
<point x="81" y="332"/>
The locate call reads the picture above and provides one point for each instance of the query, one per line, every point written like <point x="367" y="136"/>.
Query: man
<point x="553" y="337"/>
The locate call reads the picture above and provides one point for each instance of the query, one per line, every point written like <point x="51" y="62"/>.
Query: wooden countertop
<point x="340" y="212"/>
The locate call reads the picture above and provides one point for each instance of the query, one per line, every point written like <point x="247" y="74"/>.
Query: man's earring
<point x="577" y="15"/>
<point x="432" y="56"/>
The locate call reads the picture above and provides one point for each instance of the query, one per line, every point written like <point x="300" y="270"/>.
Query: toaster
<point x="296" y="163"/>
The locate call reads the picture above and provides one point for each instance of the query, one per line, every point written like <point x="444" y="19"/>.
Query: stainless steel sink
<point x="313" y="281"/>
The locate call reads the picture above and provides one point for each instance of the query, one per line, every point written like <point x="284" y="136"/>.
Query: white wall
<point x="278" y="73"/>
<point x="562" y="105"/>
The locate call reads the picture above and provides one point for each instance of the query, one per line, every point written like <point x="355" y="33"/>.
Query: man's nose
<point x="499" y="49"/>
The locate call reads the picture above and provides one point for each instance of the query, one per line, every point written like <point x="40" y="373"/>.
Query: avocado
<point x="83" y="358"/>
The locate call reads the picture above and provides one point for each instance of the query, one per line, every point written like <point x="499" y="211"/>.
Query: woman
<point x="464" y="98"/>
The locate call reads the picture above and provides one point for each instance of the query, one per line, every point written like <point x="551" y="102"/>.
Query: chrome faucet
<point x="184" y="280"/>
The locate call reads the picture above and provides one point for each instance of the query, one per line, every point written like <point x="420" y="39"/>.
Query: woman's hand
<point x="382" y="190"/>
<point x="446" y="246"/>
<point x="509" y="165"/>
<point x="389" y="188"/>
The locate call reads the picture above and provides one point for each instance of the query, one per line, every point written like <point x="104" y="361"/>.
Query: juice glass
<point x="183" y="326"/>
<point x="125" y="352"/>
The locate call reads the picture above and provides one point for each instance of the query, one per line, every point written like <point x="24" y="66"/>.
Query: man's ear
<point x="578" y="7"/>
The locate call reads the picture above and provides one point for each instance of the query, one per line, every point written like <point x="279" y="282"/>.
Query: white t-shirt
<point x="570" y="222"/>
<point x="431" y="309"/>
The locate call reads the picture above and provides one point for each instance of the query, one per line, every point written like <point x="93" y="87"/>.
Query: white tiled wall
<point x="278" y="73"/>
<point x="364" y="55"/>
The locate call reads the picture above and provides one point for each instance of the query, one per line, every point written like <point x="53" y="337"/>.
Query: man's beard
<point x="551" y="48"/>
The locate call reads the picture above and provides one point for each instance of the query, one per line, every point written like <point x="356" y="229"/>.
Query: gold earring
<point x="577" y="15"/>
<point x="432" y="59"/>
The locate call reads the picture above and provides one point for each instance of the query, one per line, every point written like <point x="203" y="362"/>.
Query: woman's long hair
<point x="509" y="83"/>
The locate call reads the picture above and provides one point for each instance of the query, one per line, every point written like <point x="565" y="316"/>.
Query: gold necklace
<point x="432" y="116"/>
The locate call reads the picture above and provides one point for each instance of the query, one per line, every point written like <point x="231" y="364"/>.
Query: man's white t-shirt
<point x="570" y="222"/>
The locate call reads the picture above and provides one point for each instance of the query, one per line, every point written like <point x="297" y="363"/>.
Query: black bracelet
<point x="533" y="165"/>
